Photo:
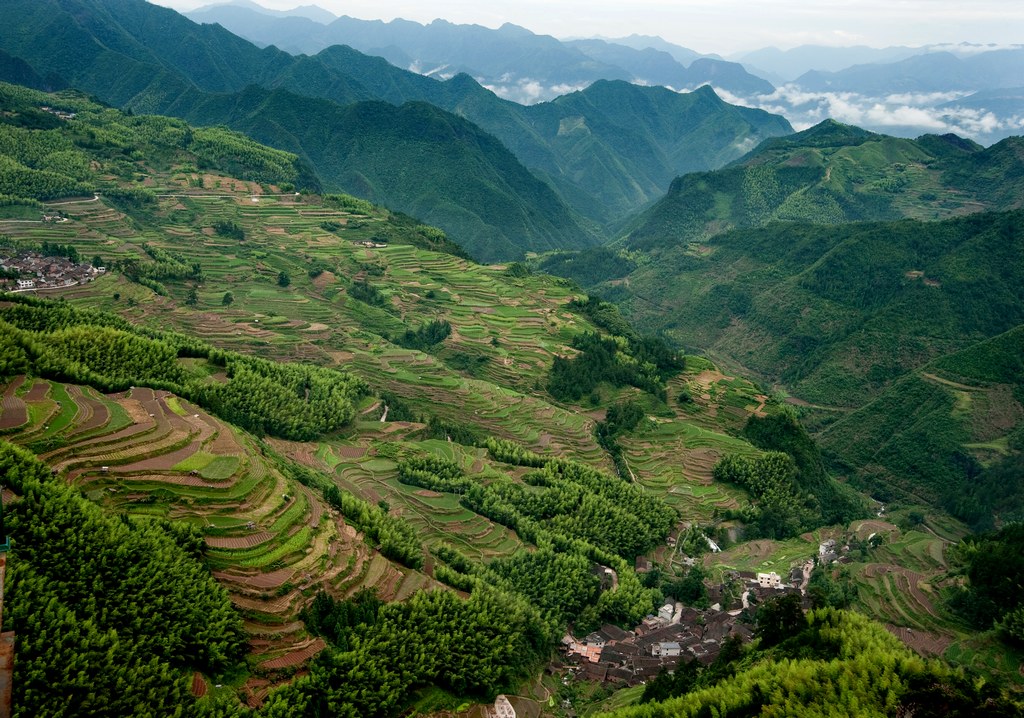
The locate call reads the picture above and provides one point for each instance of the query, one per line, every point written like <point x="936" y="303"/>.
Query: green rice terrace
<point x="272" y="541"/>
<point x="447" y="415"/>
<point x="269" y="538"/>
<point x="505" y="327"/>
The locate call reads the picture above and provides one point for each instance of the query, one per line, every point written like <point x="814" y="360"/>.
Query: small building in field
<point x="666" y="648"/>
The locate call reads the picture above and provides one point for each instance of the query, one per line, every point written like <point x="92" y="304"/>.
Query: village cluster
<point x="31" y="271"/>
<point x="681" y="633"/>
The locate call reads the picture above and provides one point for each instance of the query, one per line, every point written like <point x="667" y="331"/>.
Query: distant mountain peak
<point x="310" y="12"/>
<point x="832" y="130"/>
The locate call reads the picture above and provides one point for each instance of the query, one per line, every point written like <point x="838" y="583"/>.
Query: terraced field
<point x="271" y="541"/>
<point x="360" y="468"/>
<point x="506" y="329"/>
<point x="674" y="461"/>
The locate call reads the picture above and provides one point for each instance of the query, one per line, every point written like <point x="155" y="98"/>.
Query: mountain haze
<point x="514" y="62"/>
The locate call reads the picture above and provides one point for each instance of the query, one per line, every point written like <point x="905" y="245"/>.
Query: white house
<point x="769" y="580"/>
<point x="666" y="648"/>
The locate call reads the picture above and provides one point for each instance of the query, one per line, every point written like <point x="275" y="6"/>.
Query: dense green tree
<point x="779" y="619"/>
<point x="82" y="593"/>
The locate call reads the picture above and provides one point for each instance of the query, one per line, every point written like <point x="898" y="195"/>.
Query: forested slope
<point x="845" y="315"/>
<point x="833" y="174"/>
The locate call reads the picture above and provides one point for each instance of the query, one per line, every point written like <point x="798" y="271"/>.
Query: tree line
<point x="293" y="401"/>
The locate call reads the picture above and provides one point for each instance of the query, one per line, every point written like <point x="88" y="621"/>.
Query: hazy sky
<point x="722" y="26"/>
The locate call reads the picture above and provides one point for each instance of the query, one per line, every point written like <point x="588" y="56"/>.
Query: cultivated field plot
<point x="714" y="399"/>
<point x="764" y="555"/>
<point x="271" y="541"/>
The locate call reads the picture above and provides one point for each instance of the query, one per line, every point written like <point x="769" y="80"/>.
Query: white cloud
<point x="908" y="113"/>
<point x="527" y="91"/>
<point x="924" y="98"/>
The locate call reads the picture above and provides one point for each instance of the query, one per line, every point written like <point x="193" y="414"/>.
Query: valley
<point x="437" y="398"/>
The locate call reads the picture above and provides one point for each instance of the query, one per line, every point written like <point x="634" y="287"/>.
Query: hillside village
<point x="679" y="633"/>
<point x="632" y="402"/>
<point x="29" y="271"/>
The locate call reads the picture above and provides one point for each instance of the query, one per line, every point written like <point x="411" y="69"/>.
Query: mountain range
<point x="906" y="91"/>
<point x="606" y="151"/>
<point x="510" y="60"/>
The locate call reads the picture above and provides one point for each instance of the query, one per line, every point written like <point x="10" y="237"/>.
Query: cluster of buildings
<point x="677" y="633"/>
<point x="35" y="272"/>
<point x="59" y="113"/>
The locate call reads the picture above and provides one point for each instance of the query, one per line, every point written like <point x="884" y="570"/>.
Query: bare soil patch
<point x="351" y="452"/>
<point x="863" y="529"/>
<point x="97" y="412"/>
<point x="324" y="280"/>
<point x="239" y="542"/>
<point x="264" y="580"/>
<point x="199" y="687"/>
<point x="699" y="464"/>
<point x="39" y="391"/>
<point x="296" y="657"/>
<point x="13" y="411"/>
<point x="924" y="643"/>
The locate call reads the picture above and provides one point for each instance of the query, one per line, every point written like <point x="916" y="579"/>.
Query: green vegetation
<point x="82" y="592"/>
<point x="427" y="336"/>
<point x="832" y="174"/>
<point x="410" y="645"/>
<point x="644" y="364"/>
<point x="572" y="510"/>
<point x="465" y="472"/>
<point x="993" y="565"/>
<point x="61" y="160"/>
<point x="927" y="435"/>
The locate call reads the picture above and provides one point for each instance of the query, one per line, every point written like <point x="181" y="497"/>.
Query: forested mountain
<point x="832" y="174"/>
<point x="842" y="314"/>
<point x="416" y="158"/>
<point x="411" y="473"/>
<point x="606" y="152"/>
<point x="848" y="316"/>
<point x="950" y="433"/>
